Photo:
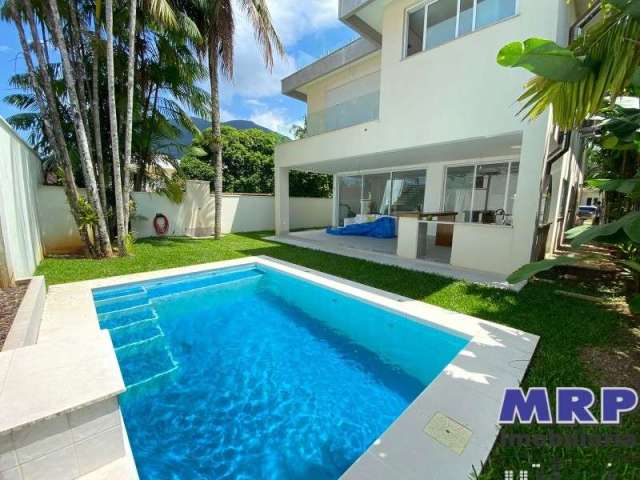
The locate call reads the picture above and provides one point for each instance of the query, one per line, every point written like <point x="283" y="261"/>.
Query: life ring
<point x="161" y="224"/>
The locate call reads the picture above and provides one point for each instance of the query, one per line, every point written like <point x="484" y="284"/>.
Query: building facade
<point x="415" y="119"/>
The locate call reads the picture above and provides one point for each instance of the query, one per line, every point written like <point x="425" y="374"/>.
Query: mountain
<point x="185" y="137"/>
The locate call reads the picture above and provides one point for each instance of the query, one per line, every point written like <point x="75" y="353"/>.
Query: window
<point x="434" y="23"/>
<point x="483" y="193"/>
<point x="441" y="22"/>
<point x="415" y="31"/>
<point x="492" y="11"/>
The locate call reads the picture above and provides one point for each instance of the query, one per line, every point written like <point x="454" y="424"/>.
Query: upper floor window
<point x="431" y="24"/>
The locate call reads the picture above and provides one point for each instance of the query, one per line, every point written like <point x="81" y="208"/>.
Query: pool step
<point x="108" y="293"/>
<point x="123" y="302"/>
<point x="135" y="333"/>
<point x="145" y="363"/>
<point x="127" y="317"/>
<point x="173" y="286"/>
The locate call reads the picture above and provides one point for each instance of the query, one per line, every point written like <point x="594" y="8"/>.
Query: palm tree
<point x="54" y="23"/>
<point x="577" y="81"/>
<point x="128" y="135"/>
<point x="215" y="20"/>
<point x="95" y="106"/>
<point x="46" y="102"/>
<point x="113" y="126"/>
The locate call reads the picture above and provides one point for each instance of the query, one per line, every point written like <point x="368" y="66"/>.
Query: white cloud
<point x="226" y="115"/>
<point x="293" y="19"/>
<point x="276" y="120"/>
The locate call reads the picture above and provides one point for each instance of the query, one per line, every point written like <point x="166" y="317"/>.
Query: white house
<point x="417" y="116"/>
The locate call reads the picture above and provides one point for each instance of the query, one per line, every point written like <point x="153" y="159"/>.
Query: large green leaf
<point x="544" y="58"/>
<point x="527" y="271"/>
<point x="632" y="229"/>
<point x="630" y="221"/>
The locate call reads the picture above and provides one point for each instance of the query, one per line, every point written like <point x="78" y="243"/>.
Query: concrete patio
<point x="383" y="251"/>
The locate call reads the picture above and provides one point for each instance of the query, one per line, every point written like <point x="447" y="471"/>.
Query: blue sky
<point x="309" y="29"/>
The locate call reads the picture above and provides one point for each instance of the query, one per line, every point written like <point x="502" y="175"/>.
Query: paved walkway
<point x="383" y="252"/>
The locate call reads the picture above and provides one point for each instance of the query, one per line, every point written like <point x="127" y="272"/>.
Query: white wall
<point x="240" y="212"/>
<point x="20" y="176"/>
<point x="58" y="229"/>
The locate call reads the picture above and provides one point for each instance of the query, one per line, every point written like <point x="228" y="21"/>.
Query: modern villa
<point x="200" y="346"/>
<point x="415" y="119"/>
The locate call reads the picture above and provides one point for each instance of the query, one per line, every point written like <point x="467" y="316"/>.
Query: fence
<point x="35" y="219"/>
<point x="193" y="217"/>
<point x="20" y="174"/>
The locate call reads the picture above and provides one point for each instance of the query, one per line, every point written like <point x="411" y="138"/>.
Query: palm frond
<point x="611" y="51"/>
<point x="162" y="12"/>
<point x="265" y="33"/>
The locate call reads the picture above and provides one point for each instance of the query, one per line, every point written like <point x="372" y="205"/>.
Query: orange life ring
<point x="161" y="224"/>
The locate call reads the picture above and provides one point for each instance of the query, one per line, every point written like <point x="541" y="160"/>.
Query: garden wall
<point x="20" y="174"/>
<point x="193" y="217"/>
<point x="240" y="212"/>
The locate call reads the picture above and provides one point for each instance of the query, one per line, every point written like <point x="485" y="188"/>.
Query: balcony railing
<point x="352" y="112"/>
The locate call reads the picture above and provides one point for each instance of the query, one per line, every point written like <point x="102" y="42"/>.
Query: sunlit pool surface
<point x="249" y="373"/>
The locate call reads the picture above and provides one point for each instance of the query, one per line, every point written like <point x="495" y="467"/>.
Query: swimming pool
<point x="248" y="372"/>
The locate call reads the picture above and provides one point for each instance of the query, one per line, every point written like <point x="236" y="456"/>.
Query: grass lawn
<point x="568" y="327"/>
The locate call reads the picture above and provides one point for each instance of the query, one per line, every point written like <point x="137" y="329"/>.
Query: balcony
<point x="352" y="112"/>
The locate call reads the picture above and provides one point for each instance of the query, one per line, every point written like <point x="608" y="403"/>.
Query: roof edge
<point x="350" y="53"/>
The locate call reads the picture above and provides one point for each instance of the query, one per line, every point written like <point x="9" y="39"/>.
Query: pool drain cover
<point x="448" y="432"/>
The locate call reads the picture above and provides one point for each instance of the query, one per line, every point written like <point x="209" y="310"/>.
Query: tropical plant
<point x="215" y="21"/>
<point x="593" y="71"/>
<point x="55" y="98"/>
<point x="583" y="82"/>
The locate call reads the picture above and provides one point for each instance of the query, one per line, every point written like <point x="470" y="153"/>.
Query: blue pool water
<point x="249" y="373"/>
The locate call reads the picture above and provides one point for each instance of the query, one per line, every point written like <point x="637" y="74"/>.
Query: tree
<point x="55" y="24"/>
<point x="577" y="81"/>
<point x="43" y="94"/>
<point x="57" y="97"/>
<point x="249" y="165"/>
<point x="113" y="127"/>
<point x="215" y="22"/>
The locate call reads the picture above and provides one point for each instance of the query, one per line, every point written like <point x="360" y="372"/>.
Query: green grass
<point x="565" y="325"/>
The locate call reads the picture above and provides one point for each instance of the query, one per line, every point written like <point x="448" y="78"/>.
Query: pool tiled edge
<point x="496" y="358"/>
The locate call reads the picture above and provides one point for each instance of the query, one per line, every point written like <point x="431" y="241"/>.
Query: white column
<point x="282" y="200"/>
<point x="525" y="210"/>
<point x="336" y="202"/>
<point x="408" y="229"/>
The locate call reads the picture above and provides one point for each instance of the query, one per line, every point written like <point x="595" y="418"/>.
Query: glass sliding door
<point x="459" y="191"/>
<point x="407" y="191"/>
<point x="483" y="193"/>
<point x="349" y="195"/>
<point x="376" y="193"/>
<point x="491" y="188"/>
<point x="513" y="188"/>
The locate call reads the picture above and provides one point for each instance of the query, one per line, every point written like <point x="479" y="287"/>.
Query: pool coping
<point x="468" y="391"/>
